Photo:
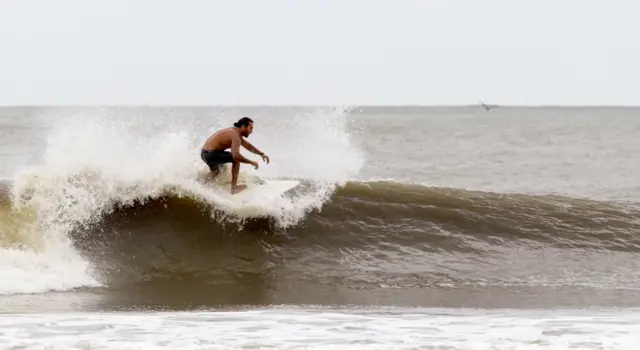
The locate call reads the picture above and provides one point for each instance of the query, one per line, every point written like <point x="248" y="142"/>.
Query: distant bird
<point x="485" y="106"/>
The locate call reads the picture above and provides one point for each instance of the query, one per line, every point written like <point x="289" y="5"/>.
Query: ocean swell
<point x="422" y="235"/>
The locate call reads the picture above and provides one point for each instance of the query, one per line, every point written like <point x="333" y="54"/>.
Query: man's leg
<point x="235" y="169"/>
<point x="215" y="171"/>
<point x="214" y="167"/>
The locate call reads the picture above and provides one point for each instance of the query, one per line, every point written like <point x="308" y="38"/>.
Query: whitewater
<point x="96" y="161"/>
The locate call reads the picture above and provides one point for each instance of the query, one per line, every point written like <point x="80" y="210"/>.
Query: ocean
<point x="413" y="227"/>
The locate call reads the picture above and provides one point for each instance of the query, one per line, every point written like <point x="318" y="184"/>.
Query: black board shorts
<point x="215" y="158"/>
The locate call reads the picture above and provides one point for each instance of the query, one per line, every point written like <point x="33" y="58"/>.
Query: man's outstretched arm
<point x="251" y="148"/>
<point x="235" y="151"/>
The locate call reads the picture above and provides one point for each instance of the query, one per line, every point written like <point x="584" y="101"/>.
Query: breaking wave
<point x="94" y="164"/>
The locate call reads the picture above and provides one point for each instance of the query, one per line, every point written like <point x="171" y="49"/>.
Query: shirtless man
<point x="213" y="152"/>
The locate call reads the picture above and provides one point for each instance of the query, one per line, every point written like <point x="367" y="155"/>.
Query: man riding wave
<point x="214" y="151"/>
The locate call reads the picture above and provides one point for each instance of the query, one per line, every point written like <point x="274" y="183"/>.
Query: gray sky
<point x="337" y="52"/>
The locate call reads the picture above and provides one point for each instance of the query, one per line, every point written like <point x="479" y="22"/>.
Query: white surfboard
<point x="256" y="190"/>
<point x="268" y="189"/>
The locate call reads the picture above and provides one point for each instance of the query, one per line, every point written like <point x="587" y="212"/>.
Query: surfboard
<point x="264" y="189"/>
<point x="256" y="190"/>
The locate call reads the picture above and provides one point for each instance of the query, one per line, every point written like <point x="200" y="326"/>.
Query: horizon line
<point x="346" y="106"/>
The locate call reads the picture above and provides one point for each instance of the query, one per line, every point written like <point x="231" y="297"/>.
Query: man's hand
<point x="265" y="158"/>
<point x="255" y="164"/>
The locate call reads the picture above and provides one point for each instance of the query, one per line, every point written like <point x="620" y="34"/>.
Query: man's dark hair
<point x="244" y="121"/>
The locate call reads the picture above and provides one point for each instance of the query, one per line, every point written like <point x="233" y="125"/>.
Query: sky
<point x="319" y="52"/>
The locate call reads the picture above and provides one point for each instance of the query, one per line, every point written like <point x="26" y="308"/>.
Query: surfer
<point x="214" y="152"/>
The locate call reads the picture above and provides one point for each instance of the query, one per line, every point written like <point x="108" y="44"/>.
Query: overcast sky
<point x="336" y="52"/>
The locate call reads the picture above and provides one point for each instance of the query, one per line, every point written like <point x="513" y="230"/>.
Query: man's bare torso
<point x="221" y="140"/>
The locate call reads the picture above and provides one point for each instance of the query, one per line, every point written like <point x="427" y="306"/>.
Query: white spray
<point x="113" y="157"/>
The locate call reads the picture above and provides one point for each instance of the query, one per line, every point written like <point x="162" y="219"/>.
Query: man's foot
<point x="238" y="188"/>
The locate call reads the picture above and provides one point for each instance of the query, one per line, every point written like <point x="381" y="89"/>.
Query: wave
<point x="389" y="212"/>
<point x="93" y="164"/>
<point x="173" y="234"/>
<point x="124" y="200"/>
<point x="552" y="219"/>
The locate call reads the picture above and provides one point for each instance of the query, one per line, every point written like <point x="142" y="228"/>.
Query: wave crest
<point x="97" y="163"/>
